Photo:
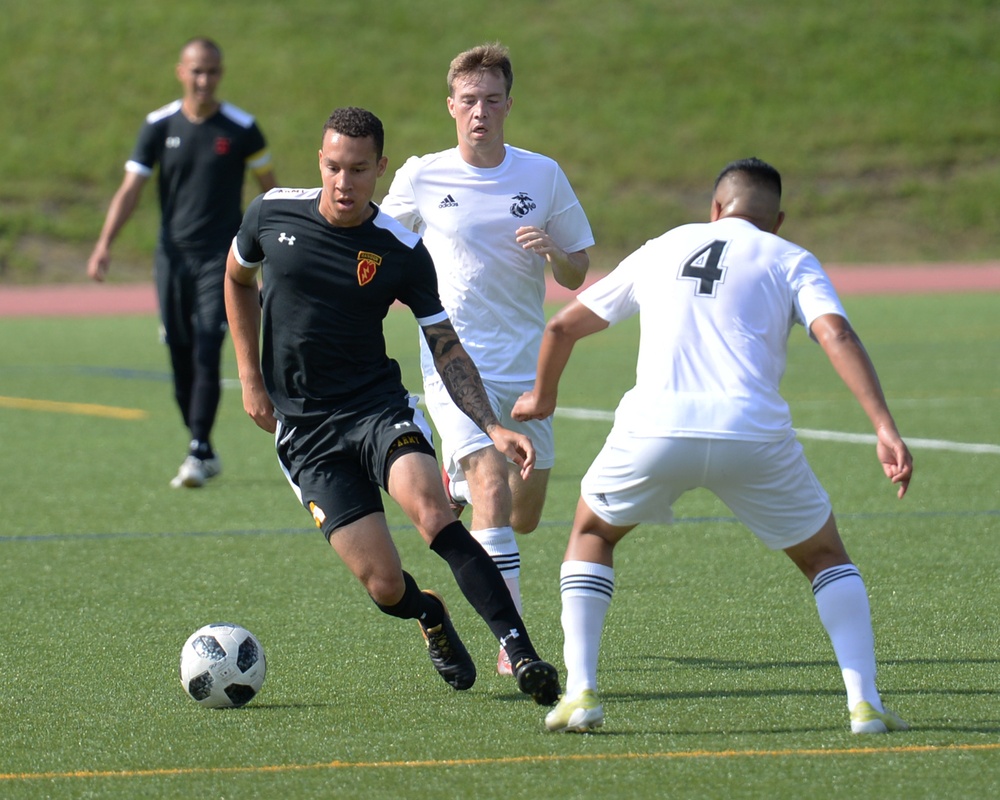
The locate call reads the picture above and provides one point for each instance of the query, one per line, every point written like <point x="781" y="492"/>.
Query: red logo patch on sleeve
<point x="368" y="263"/>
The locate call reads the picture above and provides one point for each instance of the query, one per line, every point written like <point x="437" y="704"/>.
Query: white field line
<point x="809" y="433"/>
<point x="803" y="433"/>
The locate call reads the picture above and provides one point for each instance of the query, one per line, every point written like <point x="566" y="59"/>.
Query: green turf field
<point x="717" y="678"/>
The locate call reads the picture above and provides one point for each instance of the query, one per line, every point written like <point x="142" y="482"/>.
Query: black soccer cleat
<point x="539" y="679"/>
<point x="447" y="653"/>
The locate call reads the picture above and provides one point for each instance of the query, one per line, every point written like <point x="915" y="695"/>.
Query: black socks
<point x="415" y="604"/>
<point x="483" y="586"/>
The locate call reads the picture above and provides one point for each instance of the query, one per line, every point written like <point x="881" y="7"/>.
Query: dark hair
<point x="484" y="58"/>
<point x="758" y="173"/>
<point x="357" y="123"/>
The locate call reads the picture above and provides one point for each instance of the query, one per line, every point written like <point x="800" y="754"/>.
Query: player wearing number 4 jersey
<point x="717" y="302"/>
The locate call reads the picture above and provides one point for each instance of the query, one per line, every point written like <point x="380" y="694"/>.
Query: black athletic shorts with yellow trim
<point x="337" y="468"/>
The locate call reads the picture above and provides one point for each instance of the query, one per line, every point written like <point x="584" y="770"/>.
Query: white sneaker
<point x="195" y="471"/>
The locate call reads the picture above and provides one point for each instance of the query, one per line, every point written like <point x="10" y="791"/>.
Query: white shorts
<point x="769" y="486"/>
<point x="460" y="436"/>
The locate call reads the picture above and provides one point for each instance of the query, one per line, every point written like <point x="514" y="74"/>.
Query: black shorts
<point x="191" y="294"/>
<point x="338" y="467"/>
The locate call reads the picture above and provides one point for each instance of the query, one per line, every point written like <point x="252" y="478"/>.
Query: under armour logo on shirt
<point x="286" y="238"/>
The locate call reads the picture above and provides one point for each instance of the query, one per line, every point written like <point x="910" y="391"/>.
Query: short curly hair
<point x="358" y="123"/>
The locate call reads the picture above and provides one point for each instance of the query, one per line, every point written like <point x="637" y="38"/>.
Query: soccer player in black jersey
<point x="344" y="424"/>
<point x="203" y="148"/>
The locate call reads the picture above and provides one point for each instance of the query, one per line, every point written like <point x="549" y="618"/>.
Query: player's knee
<point x="431" y="518"/>
<point x="385" y="590"/>
<point x="821" y="551"/>
<point x="525" y="521"/>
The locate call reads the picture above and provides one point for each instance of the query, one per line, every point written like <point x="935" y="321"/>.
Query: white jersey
<point x="717" y="302"/>
<point x="490" y="286"/>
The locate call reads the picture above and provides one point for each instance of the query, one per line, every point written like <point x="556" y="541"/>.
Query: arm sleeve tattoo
<point x="459" y="374"/>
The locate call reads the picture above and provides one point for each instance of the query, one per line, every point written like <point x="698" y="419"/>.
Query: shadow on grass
<point x="738" y="665"/>
<point x="936" y="724"/>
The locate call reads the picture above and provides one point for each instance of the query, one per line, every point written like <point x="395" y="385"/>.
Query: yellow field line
<point x="467" y="762"/>
<point x="56" y="407"/>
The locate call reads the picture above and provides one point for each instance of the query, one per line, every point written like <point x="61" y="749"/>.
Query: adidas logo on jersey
<point x="448" y="202"/>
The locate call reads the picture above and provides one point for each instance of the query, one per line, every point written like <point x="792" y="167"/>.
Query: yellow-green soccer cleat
<point x="581" y="715"/>
<point x="865" y="719"/>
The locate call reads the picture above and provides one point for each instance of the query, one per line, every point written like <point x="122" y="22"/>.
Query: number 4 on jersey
<point x="704" y="267"/>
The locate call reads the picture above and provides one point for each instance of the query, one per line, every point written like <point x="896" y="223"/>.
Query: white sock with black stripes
<point x="842" y="602"/>
<point x="501" y="545"/>
<point x="586" y="589"/>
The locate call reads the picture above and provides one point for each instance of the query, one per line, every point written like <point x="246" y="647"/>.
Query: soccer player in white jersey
<point x="493" y="217"/>
<point x="717" y="302"/>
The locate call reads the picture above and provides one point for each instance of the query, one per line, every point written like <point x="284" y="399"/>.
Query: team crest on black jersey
<point x="367" y="264"/>
<point x="522" y="205"/>
<point x="222" y="145"/>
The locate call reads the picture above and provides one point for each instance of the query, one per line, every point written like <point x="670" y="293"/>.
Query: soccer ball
<point x="222" y="665"/>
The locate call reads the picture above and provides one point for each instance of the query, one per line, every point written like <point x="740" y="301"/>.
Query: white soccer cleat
<point x="195" y="471"/>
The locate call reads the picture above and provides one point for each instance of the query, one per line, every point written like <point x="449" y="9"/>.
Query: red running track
<point x="91" y="299"/>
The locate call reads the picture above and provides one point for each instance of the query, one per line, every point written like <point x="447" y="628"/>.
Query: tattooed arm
<point x="462" y="380"/>
<point x="459" y="374"/>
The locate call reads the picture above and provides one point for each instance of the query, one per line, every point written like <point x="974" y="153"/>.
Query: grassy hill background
<point x="882" y="117"/>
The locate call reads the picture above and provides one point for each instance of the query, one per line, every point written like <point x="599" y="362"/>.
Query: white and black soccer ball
<point x="222" y="665"/>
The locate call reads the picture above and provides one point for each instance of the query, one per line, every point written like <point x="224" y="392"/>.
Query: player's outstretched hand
<point x="516" y="446"/>
<point x="530" y="406"/>
<point x="897" y="463"/>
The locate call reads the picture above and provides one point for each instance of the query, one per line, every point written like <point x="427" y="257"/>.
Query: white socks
<point x="586" y="590"/>
<point x="501" y="545"/>
<point x="842" y="602"/>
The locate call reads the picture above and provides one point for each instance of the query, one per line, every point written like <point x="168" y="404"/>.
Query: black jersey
<point x="326" y="291"/>
<point x="202" y="166"/>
